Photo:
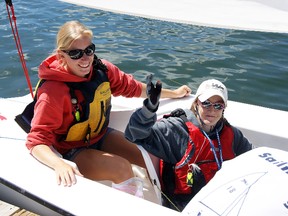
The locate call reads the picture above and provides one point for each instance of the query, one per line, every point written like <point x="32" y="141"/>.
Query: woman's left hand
<point x="182" y="91"/>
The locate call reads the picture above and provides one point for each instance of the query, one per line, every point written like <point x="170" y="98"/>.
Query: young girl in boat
<point x="71" y="114"/>
<point x="192" y="144"/>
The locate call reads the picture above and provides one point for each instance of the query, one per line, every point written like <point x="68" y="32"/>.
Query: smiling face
<point x="208" y="114"/>
<point x="73" y="36"/>
<point x="82" y="66"/>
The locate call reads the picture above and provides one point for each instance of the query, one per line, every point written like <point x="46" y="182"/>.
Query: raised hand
<point x="153" y="93"/>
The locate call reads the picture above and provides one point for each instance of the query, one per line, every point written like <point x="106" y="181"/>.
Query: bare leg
<point x="116" y="143"/>
<point x="98" y="165"/>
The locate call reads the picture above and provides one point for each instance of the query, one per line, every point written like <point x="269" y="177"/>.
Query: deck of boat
<point x="7" y="209"/>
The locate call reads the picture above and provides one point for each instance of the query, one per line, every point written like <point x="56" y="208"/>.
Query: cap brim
<point x="208" y="94"/>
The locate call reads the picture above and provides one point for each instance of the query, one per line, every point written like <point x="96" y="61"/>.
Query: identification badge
<point x="189" y="179"/>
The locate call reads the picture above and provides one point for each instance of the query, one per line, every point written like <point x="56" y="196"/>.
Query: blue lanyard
<point x="219" y="164"/>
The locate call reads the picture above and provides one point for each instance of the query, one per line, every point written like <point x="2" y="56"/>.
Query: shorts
<point x="71" y="154"/>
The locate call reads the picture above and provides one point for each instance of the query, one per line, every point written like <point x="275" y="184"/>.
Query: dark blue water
<point x="253" y="65"/>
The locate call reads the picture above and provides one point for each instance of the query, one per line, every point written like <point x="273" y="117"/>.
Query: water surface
<point x="253" y="65"/>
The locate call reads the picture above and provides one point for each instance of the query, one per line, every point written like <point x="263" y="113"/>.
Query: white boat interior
<point x="29" y="184"/>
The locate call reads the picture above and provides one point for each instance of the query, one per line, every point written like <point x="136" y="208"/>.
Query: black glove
<point x="153" y="94"/>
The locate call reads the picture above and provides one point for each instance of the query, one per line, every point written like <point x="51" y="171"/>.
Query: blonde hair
<point x="69" y="32"/>
<point x="193" y="106"/>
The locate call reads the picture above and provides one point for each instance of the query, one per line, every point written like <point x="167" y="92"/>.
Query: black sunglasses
<point x="217" y="106"/>
<point x="78" y="53"/>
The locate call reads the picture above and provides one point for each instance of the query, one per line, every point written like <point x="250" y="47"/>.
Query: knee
<point x="123" y="171"/>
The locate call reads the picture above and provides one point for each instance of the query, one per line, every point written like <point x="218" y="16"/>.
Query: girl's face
<point x="210" y="111"/>
<point x="79" y="65"/>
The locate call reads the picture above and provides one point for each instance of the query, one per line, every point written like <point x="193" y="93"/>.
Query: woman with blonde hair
<point x="72" y="110"/>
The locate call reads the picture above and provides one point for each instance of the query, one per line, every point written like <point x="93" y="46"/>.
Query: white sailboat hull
<point x="27" y="183"/>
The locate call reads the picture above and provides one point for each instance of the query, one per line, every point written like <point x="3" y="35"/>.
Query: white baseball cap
<point x="210" y="88"/>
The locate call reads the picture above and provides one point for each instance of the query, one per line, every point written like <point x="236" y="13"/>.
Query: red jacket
<point x="52" y="113"/>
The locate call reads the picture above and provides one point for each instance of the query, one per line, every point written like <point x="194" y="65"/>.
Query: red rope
<point x="18" y="44"/>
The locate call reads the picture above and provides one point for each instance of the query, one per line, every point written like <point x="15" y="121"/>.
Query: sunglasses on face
<point x="217" y="106"/>
<point x="78" y="53"/>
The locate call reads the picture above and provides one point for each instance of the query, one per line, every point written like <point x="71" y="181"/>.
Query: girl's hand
<point x="182" y="91"/>
<point x="65" y="173"/>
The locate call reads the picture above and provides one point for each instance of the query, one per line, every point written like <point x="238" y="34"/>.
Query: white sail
<point x="255" y="15"/>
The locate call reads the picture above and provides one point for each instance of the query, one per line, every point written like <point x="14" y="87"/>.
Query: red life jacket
<point x="198" y="152"/>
